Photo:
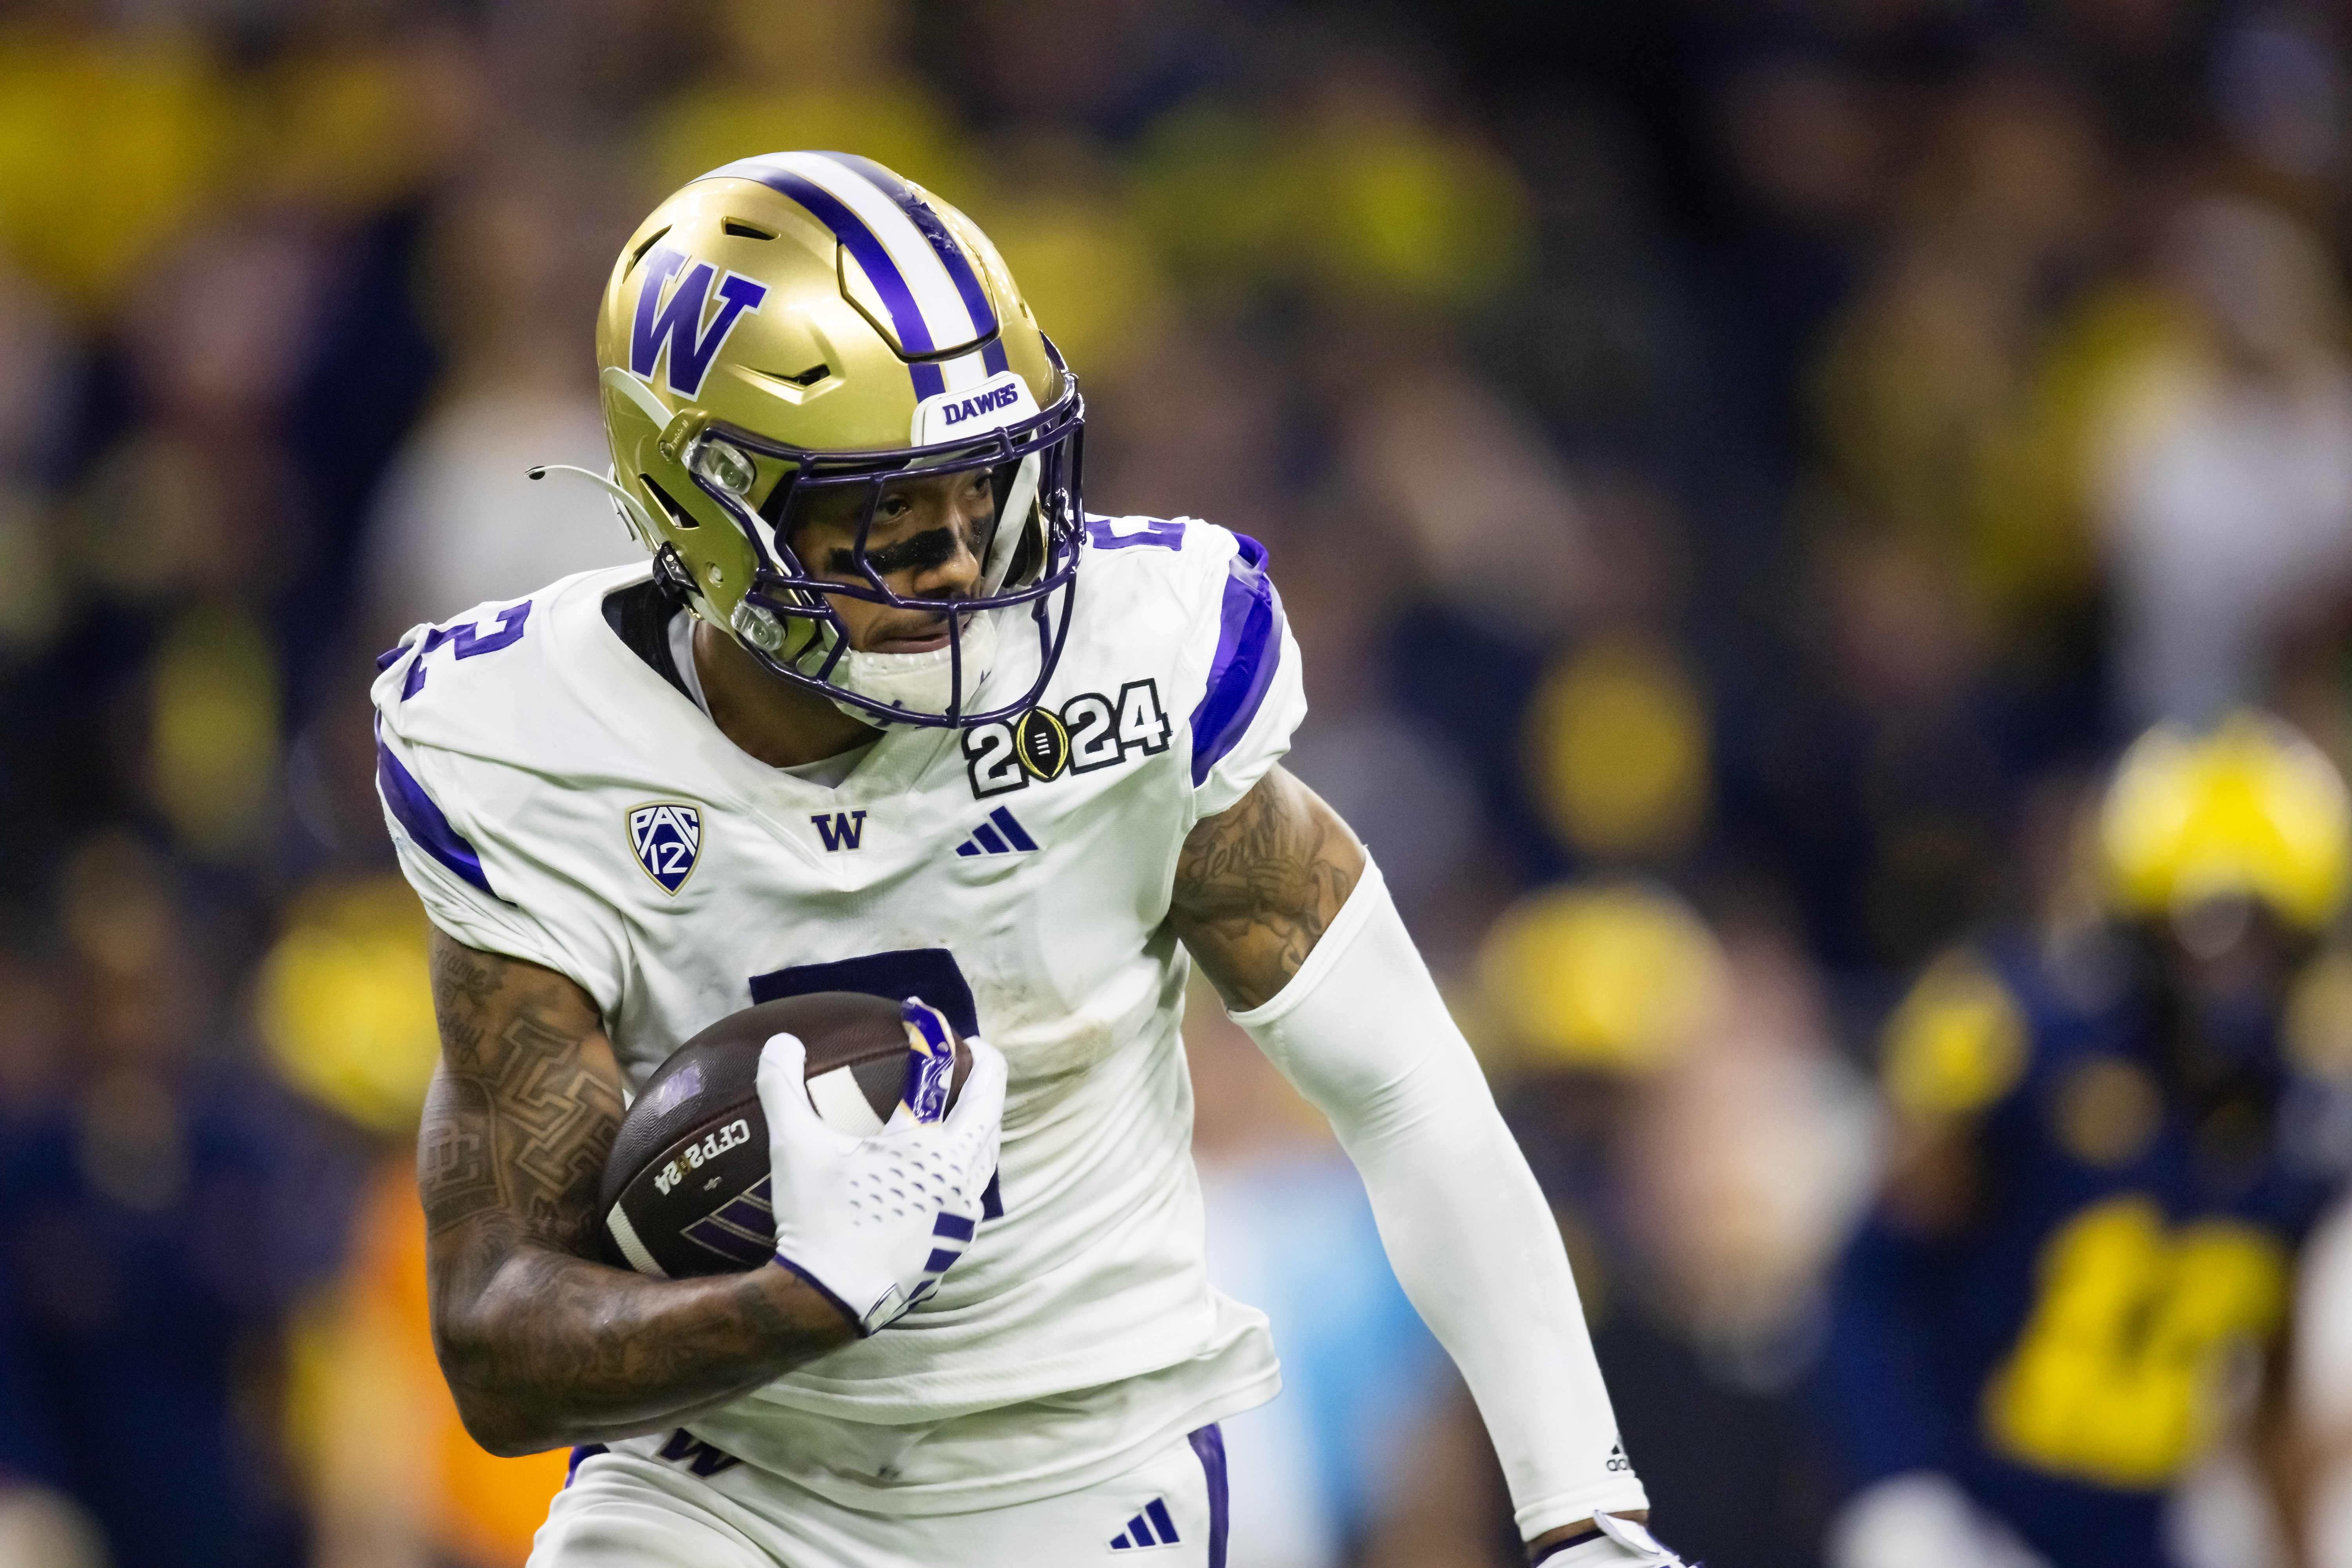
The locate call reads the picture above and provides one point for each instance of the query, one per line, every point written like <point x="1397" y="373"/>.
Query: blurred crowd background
<point x="1739" y="470"/>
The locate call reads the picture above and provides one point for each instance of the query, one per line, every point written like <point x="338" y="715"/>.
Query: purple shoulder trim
<point x="415" y="810"/>
<point x="1249" y="646"/>
<point x="581" y="1454"/>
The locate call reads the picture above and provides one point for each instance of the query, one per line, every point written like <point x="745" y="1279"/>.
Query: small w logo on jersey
<point x="1005" y="836"/>
<point x="668" y="837"/>
<point x="683" y="1446"/>
<point x="1153" y="1527"/>
<point x="840" y="829"/>
<point x="678" y="325"/>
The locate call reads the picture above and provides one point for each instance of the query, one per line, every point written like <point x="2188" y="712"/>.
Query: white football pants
<point x="674" y="1503"/>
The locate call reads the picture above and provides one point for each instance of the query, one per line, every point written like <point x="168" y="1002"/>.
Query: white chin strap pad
<point x="1361" y="1032"/>
<point x="919" y="682"/>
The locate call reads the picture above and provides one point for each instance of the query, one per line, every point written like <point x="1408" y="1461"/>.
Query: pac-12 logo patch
<point x="668" y="837"/>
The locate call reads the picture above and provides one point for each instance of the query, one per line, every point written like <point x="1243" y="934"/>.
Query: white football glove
<point x="1621" y="1543"/>
<point x="875" y="1222"/>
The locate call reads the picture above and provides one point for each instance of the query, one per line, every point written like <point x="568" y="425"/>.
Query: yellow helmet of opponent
<point x="2253" y="810"/>
<point x="805" y="323"/>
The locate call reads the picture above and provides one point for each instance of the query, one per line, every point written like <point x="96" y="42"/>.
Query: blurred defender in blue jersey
<point x="2109" y="1151"/>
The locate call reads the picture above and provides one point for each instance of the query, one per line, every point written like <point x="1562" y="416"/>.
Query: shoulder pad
<point x="2319" y="1033"/>
<point x="480" y="679"/>
<point x="1958" y="1041"/>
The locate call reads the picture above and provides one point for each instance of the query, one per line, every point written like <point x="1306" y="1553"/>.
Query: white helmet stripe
<point x="925" y="216"/>
<point x="950" y="320"/>
<point x="964" y="371"/>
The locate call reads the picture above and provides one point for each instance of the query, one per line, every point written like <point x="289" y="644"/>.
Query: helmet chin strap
<point x="919" y="682"/>
<point x="1020" y="505"/>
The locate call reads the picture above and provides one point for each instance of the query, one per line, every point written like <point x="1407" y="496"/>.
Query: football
<point x="685" y="1187"/>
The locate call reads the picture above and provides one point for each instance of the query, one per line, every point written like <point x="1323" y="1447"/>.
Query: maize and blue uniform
<point x="2071" y="1351"/>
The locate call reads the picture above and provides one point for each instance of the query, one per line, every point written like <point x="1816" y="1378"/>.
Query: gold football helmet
<point x="806" y="323"/>
<point x="2253" y="810"/>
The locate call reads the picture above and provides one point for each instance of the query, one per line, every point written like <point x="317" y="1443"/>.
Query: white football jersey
<point x="555" y="798"/>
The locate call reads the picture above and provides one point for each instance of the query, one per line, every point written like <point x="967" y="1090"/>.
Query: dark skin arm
<point x="1934" y="1180"/>
<point x="1258" y="884"/>
<point x="1256" y="887"/>
<point x="2294" y="1456"/>
<point x="542" y="1345"/>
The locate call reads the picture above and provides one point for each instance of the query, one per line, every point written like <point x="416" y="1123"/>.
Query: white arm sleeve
<point x="1361" y="1032"/>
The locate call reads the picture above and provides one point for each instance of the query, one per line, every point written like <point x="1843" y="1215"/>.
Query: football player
<point x="2110" y="1152"/>
<point x="888" y="711"/>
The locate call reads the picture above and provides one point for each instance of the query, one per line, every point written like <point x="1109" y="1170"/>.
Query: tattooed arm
<point x="1257" y="884"/>
<point x="542" y="1344"/>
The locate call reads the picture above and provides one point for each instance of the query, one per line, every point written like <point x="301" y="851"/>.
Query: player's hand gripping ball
<point x="688" y="1187"/>
<point x="876" y="1222"/>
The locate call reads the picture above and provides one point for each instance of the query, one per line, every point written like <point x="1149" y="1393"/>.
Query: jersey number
<point x="2119" y="1376"/>
<point x="468" y="640"/>
<point x="1155" y="533"/>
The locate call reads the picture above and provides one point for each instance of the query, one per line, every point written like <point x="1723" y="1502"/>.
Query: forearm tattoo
<point x="542" y="1345"/>
<point x="525" y="1106"/>
<point x="1257" y="885"/>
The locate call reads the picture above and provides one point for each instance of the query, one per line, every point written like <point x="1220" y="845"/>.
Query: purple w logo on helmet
<point x="692" y="345"/>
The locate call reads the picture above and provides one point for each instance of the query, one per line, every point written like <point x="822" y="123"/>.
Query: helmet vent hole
<point x="741" y="230"/>
<point x="639" y="253"/>
<point x="809" y="376"/>
<point x="679" y="516"/>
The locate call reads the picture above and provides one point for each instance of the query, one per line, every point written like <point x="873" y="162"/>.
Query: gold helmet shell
<point x="803" y="321"/>
<point x="2253" y="810"/>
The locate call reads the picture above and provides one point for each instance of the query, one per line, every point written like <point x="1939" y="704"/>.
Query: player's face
<point x="929" y="538"/>
<point x="2227" y="963"/>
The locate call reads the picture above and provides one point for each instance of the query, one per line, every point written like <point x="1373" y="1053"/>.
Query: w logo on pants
<point x="683" y="1447"/>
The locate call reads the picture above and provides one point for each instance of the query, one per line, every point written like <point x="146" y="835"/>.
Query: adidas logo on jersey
<point x="1006" y="836"/>
<point x="1153" y="1527"/>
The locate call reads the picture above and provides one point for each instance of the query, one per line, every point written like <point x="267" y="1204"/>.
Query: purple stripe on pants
<point x="1209" y="1443"/>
